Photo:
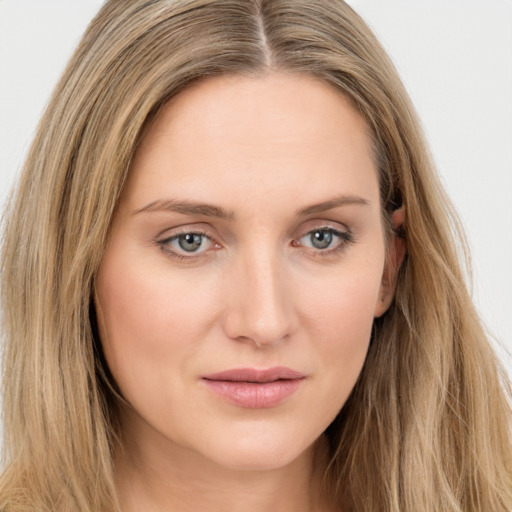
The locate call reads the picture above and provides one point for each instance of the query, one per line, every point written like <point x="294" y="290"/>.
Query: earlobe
<point x="395" y="255"/>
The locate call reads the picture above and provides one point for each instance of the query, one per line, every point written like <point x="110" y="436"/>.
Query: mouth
<point x="255" y="375"/>
<point x="254" y="388"/>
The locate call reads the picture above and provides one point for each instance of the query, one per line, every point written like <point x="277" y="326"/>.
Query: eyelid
<point x="323" y="224"/>
<point x="183" y="229"/>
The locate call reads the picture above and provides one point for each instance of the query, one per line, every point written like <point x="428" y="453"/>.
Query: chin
<point x="259" y="453"/>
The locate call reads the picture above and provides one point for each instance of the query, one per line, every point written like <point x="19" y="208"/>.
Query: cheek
<point x="342" y="305"/>
<point x="149" y="323"/>
<point x="339" y="317"/>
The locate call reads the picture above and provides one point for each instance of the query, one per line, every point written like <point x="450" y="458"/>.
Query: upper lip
<point x="256" y="375"/>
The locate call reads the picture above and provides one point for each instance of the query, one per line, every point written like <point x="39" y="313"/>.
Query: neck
<point x="155" y="478"/>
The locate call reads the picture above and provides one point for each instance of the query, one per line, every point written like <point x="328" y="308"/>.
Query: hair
<point x="427" y="426"/>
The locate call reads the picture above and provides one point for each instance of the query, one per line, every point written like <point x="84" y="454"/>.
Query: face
<point x="244" y="270"/>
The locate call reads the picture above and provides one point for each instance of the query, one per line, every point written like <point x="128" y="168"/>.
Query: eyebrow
<point x="186" y="208"/>
<point x="343" y="200"/>
<point x="210" y="210"/>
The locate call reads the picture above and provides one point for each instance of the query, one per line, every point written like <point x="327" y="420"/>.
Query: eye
<point x="324" y="239"/>
<point x="190" y="242"/>
<point x="321" y="239"/>
<point x="186" y="244"/>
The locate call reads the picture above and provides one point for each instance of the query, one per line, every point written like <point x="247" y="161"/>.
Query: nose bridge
<point x="260" y="308"/>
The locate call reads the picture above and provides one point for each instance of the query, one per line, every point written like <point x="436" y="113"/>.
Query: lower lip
<point x="254" y="395"/>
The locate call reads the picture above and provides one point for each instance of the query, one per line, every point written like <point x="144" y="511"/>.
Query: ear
<point x="395" y="255"/>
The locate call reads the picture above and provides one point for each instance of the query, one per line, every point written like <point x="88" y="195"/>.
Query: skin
<point x="256" y="293"/>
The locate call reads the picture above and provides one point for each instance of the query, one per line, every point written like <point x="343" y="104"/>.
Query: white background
<point x="455" y="57"/>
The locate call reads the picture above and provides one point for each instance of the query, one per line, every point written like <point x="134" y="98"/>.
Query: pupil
<point x="321" y="239"/>
<point x="190" y="242"/>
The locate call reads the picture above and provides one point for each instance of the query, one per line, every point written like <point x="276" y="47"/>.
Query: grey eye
<point x="187" y="245"/>
<point x="190" y="242"/>
<point x="321" y="238"/>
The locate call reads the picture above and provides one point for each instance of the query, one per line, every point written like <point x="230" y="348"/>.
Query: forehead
<point x="275" y="130"/>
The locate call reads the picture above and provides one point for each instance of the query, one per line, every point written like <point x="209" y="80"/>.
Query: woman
<point x="230" y="283"/>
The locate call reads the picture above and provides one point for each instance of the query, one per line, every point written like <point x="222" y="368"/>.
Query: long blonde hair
<point x="427" y="425"/>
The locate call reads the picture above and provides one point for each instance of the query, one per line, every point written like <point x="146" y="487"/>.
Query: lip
<point x="254" y="388"/>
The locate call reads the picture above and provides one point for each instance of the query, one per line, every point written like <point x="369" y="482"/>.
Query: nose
<point x="259" y="309"/>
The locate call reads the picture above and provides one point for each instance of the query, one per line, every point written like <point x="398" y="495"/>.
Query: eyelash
<point x="346" y="239"/>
